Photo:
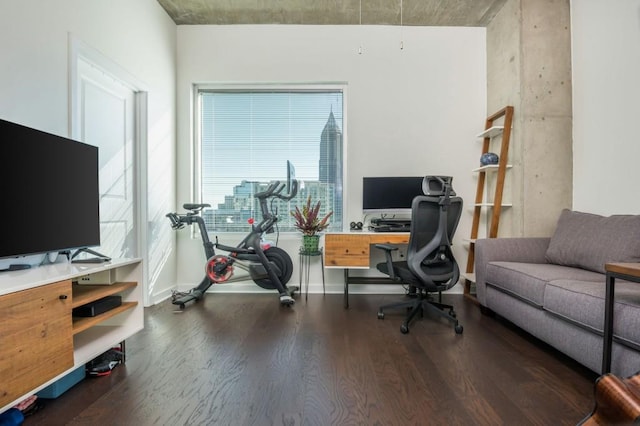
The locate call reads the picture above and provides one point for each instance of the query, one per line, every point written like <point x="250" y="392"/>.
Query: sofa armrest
<point x="519" y="249"/>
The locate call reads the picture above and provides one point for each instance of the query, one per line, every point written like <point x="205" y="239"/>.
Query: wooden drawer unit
<point x="36" y="338"/>
<point x="346" y="250"/>
<point x="353" y="250"/>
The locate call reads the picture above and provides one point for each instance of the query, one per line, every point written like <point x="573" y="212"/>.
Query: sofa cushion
<point x="583" y="303"/>
<point x="589" y="241"/>
<point x="527" y="281"/>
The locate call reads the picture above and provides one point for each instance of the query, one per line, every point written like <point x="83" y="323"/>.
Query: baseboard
<point x="314" y="288"/>
<point x="162" y="296"/>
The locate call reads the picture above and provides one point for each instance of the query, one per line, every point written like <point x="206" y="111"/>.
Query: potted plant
<point x="308" y="222"/>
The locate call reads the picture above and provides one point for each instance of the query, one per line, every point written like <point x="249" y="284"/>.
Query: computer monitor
<point x="390" y="194"/>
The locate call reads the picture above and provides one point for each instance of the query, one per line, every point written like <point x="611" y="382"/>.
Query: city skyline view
<point x="246" y="140"/>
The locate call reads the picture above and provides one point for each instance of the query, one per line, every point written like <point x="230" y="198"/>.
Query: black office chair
<point x="430" y="266"/>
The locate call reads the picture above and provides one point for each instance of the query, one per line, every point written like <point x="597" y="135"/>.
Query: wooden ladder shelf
<point x="491" y="130"/>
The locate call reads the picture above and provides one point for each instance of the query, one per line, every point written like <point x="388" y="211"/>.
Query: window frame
<point x="196" y="145"/>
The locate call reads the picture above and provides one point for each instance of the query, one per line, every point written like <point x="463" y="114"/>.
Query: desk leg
<point x="346" y="288"/>
<point x="307" y="269"/>
<point x="608" y="324"/>
<point x="301" y="268"/>
<point x="322" y="264"/>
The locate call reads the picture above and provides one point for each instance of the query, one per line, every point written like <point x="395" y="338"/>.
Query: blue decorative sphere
<point x="489" y="158"/>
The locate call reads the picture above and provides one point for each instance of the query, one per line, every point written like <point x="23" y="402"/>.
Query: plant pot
<point x="310" y="243"/>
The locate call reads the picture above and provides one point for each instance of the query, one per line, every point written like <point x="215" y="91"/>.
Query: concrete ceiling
<point x="464" y="13"/>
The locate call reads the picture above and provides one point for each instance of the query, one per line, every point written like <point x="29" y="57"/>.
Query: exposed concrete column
<point x="529" y="67"/>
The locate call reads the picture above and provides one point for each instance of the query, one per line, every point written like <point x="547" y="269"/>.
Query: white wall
<point x="606" y="105"/>
<point x="138" y="36"/>
<point x="409" y="112"/>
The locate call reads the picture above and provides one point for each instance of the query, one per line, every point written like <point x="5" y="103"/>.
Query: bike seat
<point x="189" y="206"/>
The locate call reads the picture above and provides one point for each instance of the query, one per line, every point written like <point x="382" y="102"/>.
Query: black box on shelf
<point x="98" y="307"/>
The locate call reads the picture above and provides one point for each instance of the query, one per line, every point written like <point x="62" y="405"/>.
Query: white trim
<point x="270" y="86"/>
<point x="80" y="51"/>
<point x="314" y="288"/>
<point x="142" y="208"/>
<point x="196" y="148"/>
<point x="345" y="160"/>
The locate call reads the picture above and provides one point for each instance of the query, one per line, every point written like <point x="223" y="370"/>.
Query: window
<point x="246" y="136"/>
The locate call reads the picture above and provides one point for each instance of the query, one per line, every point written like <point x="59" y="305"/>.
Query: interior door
<point x="107" y="120"/>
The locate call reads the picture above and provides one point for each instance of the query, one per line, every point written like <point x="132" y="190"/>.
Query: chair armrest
<point x="388" y="248"/>
<point x="518" y="249"/>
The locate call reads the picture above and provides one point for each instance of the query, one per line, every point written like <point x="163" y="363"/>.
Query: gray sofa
<point x="554" y="287"/>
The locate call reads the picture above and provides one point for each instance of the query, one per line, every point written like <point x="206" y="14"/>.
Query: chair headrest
<point x="437" y="186"/>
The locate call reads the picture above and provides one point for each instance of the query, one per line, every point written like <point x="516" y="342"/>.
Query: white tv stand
<point x="42" y="341"/>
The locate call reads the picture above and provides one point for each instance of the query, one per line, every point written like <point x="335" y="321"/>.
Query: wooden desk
<point x="352" y="250"/>
<point x="625" y="271"/>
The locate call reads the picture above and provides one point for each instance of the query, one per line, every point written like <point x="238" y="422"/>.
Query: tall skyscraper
<point x="330" y="164"/>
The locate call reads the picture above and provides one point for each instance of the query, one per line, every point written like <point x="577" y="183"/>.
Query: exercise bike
<point x="270" y="267"/>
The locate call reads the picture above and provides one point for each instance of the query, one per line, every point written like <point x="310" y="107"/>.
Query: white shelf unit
<point x="491" y="132"/>
<point x="490" y="168"/>
<point x="90" y="336"/>
<point x="471" y="277"/>
<point x="493" y="203"/>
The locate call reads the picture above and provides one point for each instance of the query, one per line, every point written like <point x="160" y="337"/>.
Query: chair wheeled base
<point x="418" y="304"/>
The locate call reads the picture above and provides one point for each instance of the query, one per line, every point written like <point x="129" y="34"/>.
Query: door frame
<point x="80" y="51"/>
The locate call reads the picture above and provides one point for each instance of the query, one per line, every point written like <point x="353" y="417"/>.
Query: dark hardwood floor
<point x="241" y="359"/>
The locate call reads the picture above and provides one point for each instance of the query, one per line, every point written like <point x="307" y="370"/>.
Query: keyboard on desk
<point x="390" y="225"/>
<point x="389" y="228"/>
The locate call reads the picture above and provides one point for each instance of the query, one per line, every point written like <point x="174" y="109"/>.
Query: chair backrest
<point x="434" y="220"/>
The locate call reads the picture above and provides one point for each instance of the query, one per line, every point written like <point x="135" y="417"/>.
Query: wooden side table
<point x="625" y="271"/>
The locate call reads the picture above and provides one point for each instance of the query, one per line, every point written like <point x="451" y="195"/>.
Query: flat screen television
<point x="390" y="194"/>
<point x="49" y="192"/>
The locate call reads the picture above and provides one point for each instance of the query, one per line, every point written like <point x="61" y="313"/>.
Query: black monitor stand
<point x="99" y="257"/>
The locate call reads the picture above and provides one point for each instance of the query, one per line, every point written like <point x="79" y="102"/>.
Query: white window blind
<point x="246" y="138"/>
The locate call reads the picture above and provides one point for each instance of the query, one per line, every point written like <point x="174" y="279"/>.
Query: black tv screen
<point x="49" y="191"/>
<point x="390" y="194"/>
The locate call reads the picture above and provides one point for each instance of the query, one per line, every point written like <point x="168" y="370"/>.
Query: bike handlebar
<point x="275" y="188"/>
<point x="176" y="223"/>
<point x="269" y="191"/>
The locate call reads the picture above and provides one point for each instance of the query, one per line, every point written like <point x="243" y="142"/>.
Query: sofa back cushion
<point x="588" y="241"/>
